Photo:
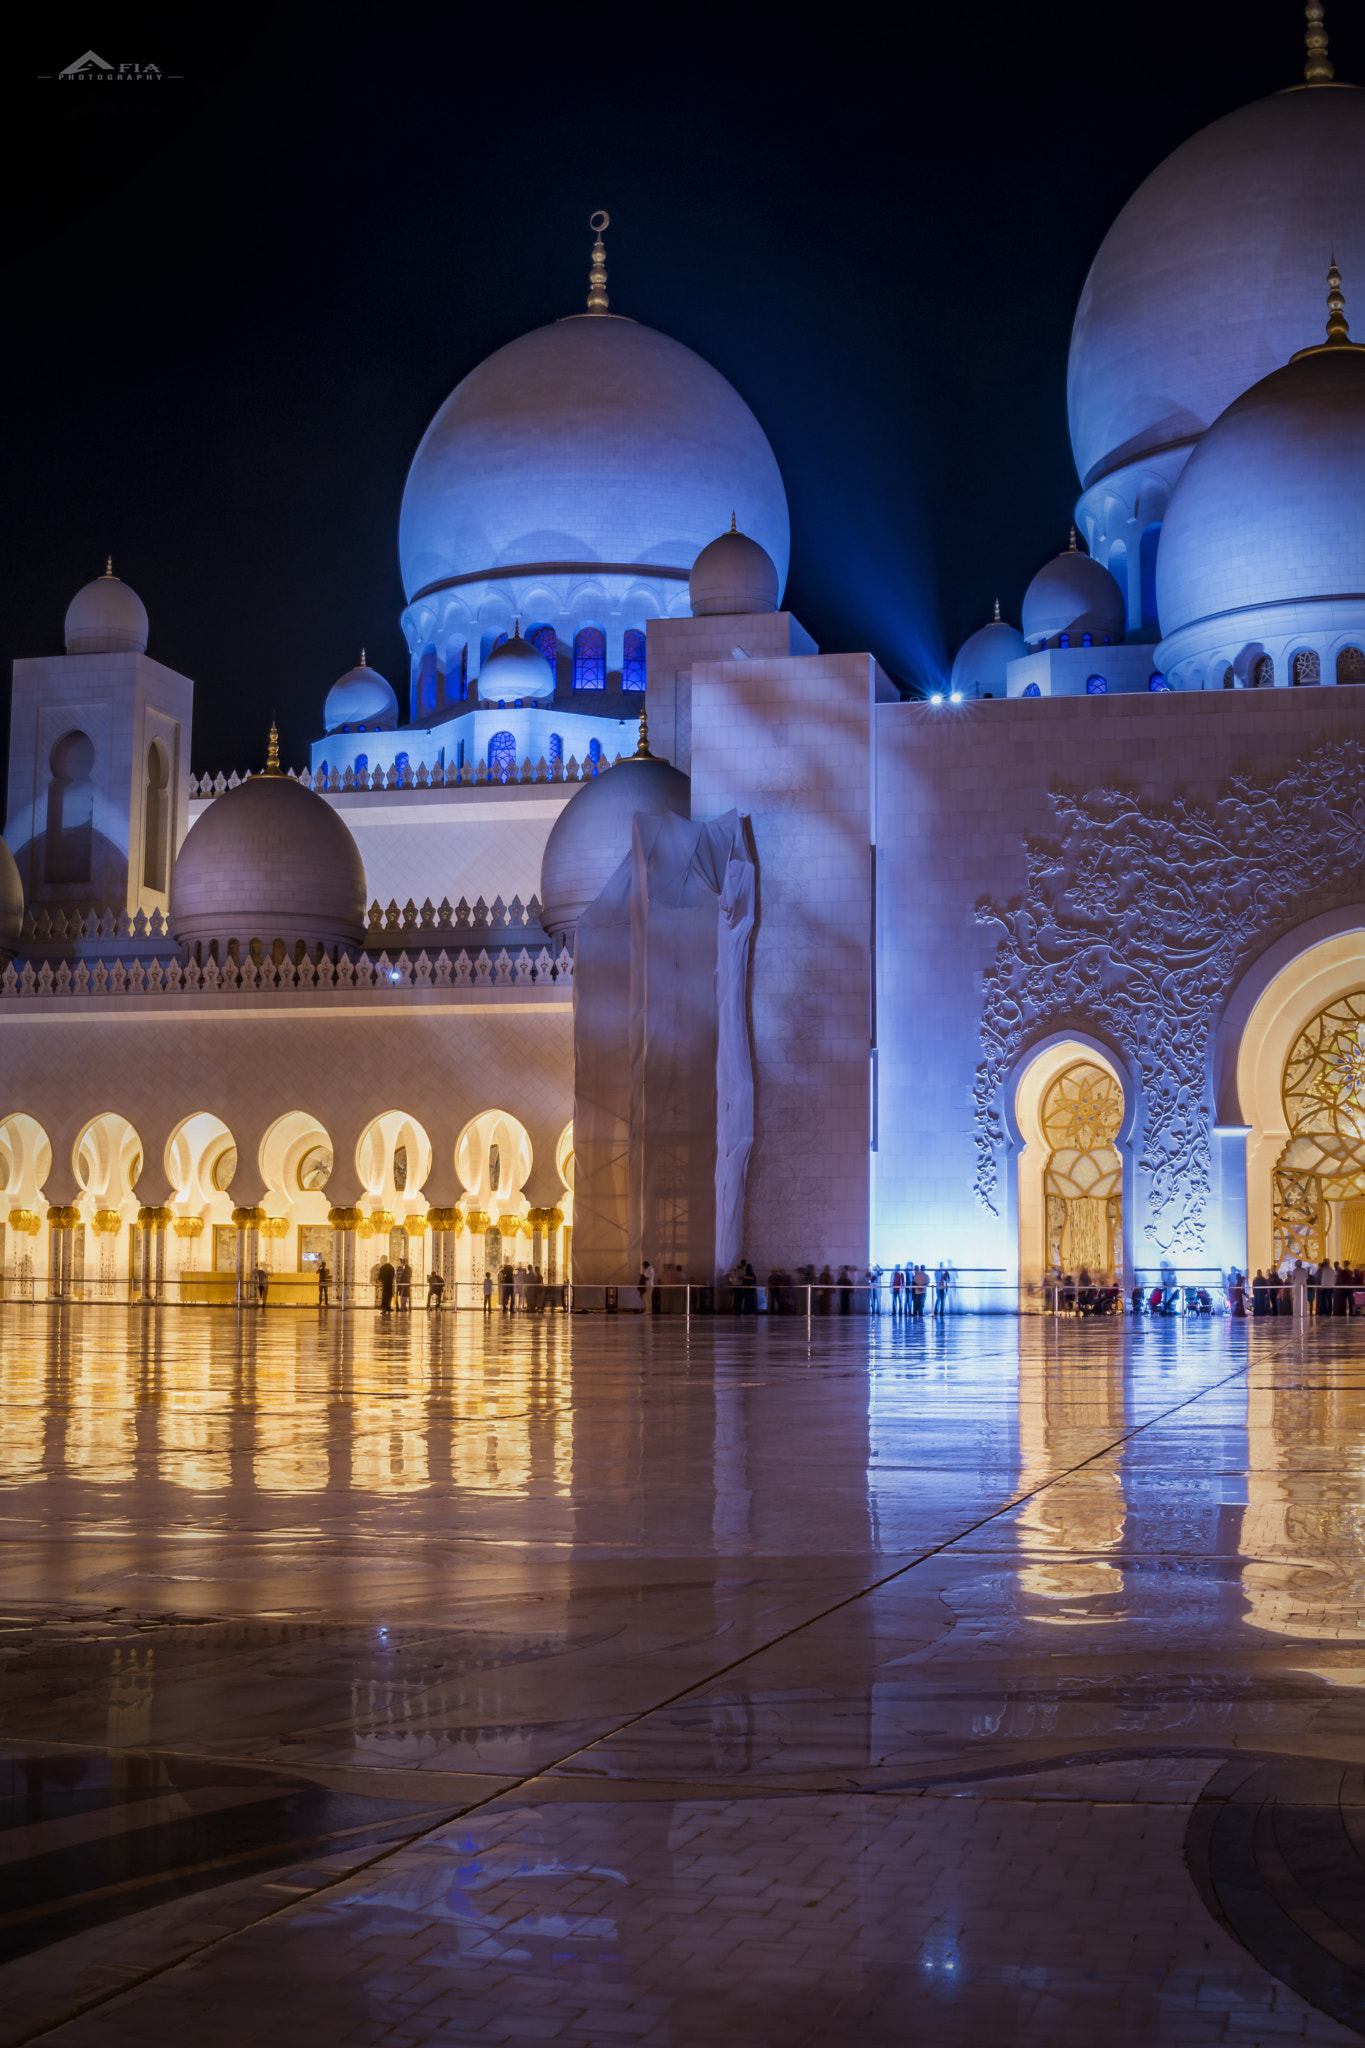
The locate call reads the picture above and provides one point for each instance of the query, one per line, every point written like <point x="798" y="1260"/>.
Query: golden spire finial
<point x="1337" y="329"/>
<point x="272" y="751"/>
<point x="597" y="276"/>
<point x="642" y="752"/>
<point x="733" y="527"/>
<point x="516" y="629"/>
<point x="1073" y="540"/>
<point x="363" y="662"/>
<point x="109" y="566"/>
<point x="1318" y="70"/>
<point x="997" y="611"/>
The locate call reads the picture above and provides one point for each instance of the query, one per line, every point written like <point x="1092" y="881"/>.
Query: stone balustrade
<point x="386" y="974"/>
<point x="472" y="775"/>
<point x="56" y="926"/>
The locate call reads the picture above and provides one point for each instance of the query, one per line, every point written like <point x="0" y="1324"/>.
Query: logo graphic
<point x="92" y="69"/>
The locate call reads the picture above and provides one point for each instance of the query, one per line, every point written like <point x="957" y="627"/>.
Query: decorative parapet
<point x="434" y="775"/>
<point x="380" y="975"/>
<point x="52" y="926"/>
<point x="435" y="921"/>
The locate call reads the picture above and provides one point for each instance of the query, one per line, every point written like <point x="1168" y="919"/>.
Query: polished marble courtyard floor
<point x="604" y="1682"/>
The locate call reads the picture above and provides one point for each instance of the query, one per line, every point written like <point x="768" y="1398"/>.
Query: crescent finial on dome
<point x="997" y="611"/>
<point x="1338" y="332"/>
<point x="272" y="751"/>
<point x="363" y="662"/>
<point x="597" y="276"/>
<point x="1072" y="548"/>
<point x="109" y="565"/>
<point x="1318" y="70"/>
<point x="642" y="752"/>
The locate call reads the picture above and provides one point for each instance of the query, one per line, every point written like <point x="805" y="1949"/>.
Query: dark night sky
<point x="237" y="298"/>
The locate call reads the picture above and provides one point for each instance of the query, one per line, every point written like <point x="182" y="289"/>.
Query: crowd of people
<point x="1325" y="1290"/>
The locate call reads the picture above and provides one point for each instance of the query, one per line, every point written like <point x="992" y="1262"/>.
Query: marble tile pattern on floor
<point x="598" y="1680"/>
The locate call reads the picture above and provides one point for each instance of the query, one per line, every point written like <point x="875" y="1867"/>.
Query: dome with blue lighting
<point x="361" y="701"/>
<point x="1263" y="552"/>
<point x="1073" y="595"/>
<point x="983" y="657"/>
<point x="587" y="443"/>
<point x="1198" y="288"/>
<point x="516" y="673"/>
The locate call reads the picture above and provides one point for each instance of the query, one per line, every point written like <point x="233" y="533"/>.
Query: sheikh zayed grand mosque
<point x="641" y="927"/>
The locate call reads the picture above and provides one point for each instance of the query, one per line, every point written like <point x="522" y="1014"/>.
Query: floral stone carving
<point x="1137" y="922"/>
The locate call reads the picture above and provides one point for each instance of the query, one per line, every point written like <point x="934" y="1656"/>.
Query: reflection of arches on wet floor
<point x="1279" y="1043"/>
<point x="1069" y="1111"/>
<point x="1070" y="1409"/>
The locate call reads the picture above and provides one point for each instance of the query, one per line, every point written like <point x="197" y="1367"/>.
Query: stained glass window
<point x="590" y="659"/>
<point x="543" y="639"/>
<point x="1307" y="668"/>
<point x="1156" y="683"/>
<point x="362" y="764"/>
<point x="402" y="763"/>
<point x="1096" y="686"/>
<point x="1351" y="665"/>
<point x="1032" y="690"/>
<point x="1263" y="675"/>
<point x="1083" y="1180"/>
<point x="502" y="755"/>
<point x="464" y="673"/>
<point x="556" y="749"/>
<point x="595" y="753"/>
<point x="633" y="661"/>
<point x="1324" y="1106"/>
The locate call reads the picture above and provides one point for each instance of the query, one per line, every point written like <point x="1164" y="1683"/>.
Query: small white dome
<point x="1073" y="594"/>
<point x="106" y="617"/>
<point x="732" y="574"/>
<point x="11" y="904"/>
<point x="1270" y="512"/>
<point x="592" y="834"/>
<point x="269" y="860"/>
<point x="983" y="657"/>
<point x="362" y="698"/>
<point x="515" y="670"/>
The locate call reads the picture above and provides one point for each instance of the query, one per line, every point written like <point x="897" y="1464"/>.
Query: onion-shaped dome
<point x="1198" y="288"/>
<point x="732" y="574"/>
<point x="592" y="834"/>
<point x="269" y="860"/>
<point x="361" y="701"/>
<point x="1269" y="516"/>
<point x="516" y="670"/>
<point x="588" y="444"/>
<point x="1075" y="595"/>
<point x="11" y="904"/>
<point x="984" y="656"/>
<point x="106" y="617"/>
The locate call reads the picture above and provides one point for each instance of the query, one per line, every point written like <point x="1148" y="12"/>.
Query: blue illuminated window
<point x="595" y="753"/>
<point x="464" y="674"/>
<point x="1063" y="639"/>
<point x="543" y="639"/>
<point x="590" y="659"/>
<point x="402" y="762"/>
<point x="556" y="749"/>
<point x="362" y="761"/>
<point x="633" y="661"/>
<point x="1032" y="690"/>
<point x="1096" y="686"/>
<point x="502" y="755"/>
<point x="1156" y="682"/>
<point x="1086" y="639"/>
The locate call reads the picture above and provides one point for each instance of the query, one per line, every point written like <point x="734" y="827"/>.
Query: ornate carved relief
<point x="1136" y="924"/>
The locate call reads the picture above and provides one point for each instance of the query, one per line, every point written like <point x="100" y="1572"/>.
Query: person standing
<point x="385" y="1277"/>
<point x="436" y="1287"/>
<point x="941" y="1279"/>
<point x="919" y="1287"/>
<point x="487" y="1292"/>
<point x="898" y="1290"/>
<point x="1298" y="1282"/>
<point x="262" y="1280"/>
<point x="1327" y="1288"/>
<point x="324" y="1284"/>
<point x="506" y="1283"/>
<point x="403" y="1280"/>
<point x="647" y="1287"/>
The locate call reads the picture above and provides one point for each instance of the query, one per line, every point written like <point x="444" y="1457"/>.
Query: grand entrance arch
<point x="1300" y="1086"/>
<point x="1069" y="1108"/>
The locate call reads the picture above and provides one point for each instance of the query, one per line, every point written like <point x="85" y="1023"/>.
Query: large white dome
<point x="1200" y="286"/>
<point x="590" y="442"/>
<point x="106" y="617"/>
<point x="1269" y="516"/>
